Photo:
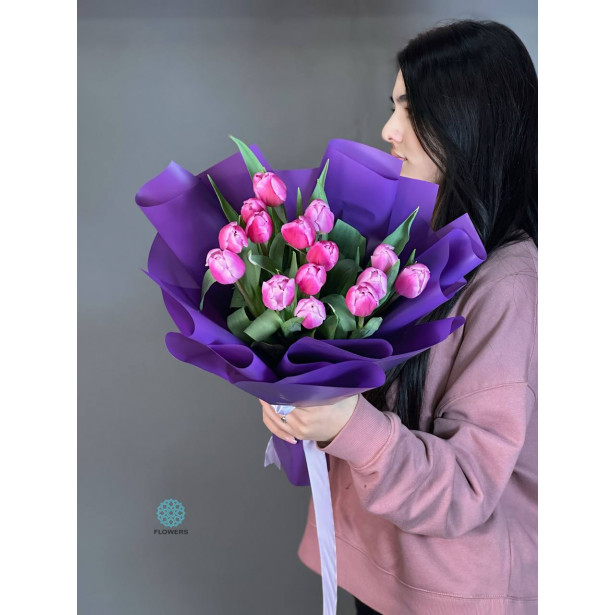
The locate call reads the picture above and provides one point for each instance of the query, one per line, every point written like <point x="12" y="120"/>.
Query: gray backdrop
<point x="169" y="81"/>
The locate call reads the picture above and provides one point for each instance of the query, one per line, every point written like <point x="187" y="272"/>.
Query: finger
<point x="290" y="426"/>
<point x="278" y="429"/>
<point x="269" y="410"/>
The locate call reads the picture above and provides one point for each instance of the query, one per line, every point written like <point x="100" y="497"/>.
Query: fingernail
<point x="291" y="440"/>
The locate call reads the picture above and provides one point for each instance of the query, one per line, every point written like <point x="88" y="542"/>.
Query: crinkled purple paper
<point x="364" y="188"/>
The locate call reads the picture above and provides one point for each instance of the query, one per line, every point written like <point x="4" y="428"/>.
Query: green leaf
<point x="385" y="302"/>
<point x="357" y="257"/>
<point x="341" y="277"/>
<point x="250" y="281"/>
<point x="338" y="304"/>
<point x="276" y="251"/>
<point x="391" y="276"/>
<point x="411" y="259"/>
<point x="251" y="277"/>
<point x="299" y="210"/>
<point x="319" y="190"/>
<point x="347" y="239"/>
<point x="362" y="242"/>
<point x="229" y="212"/>
<point x="280" y="212"/>
<point x="292" y="325"/>
<point x="340" y="334"/>
<point x="252" y="162"/>
<point x="264" y="326"/>
<point x="277" y="224"/>
<point x="399" y="237"/>
<point x="208" y="280"/>
<point x="237" y="322"/>
<point x="292" y="271"/>
<point x="328" y="327"/>
<point x="264" y="262"/>
<point x="237" y="300"/>
<point x="370" y="328"/>
<point x="289" y="311"/>
<point x="278" y="217"/>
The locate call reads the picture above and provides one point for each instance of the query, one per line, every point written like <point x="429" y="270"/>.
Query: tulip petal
<point x="454" y="253"/>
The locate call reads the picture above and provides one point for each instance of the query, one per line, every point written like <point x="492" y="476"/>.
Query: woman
<point x="434" y="474"/>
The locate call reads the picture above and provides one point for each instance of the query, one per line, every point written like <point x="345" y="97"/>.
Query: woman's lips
<point x="393" y="153"/>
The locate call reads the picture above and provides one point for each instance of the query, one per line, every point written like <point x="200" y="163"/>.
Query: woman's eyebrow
<point x="401" y="98"/>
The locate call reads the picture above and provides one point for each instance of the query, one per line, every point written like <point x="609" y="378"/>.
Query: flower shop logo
<point x="170" y="513"/>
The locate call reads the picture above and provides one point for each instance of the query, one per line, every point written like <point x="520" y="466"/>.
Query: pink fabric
<point x="443" y="520"/>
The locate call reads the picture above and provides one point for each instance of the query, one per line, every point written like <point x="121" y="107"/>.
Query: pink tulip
<point x="250" y="207"/>
<point x="324" y="253"/>
<point x="412" y="280"/>
<point x="225" y="266"/>
<point x="361" y="299"/>
<point x="313" y="311"/>
<point x="320" y="215"/>
<point x="278" y="292"/>
<point x="269" y="188"/>
<point x="384" y="257"/>
<point x="232" y="237"/>
<point x="259" y="227"/>
<point x="376" y="278"/>
<point x="299" y="233"/>
<point x="310" y="278"/>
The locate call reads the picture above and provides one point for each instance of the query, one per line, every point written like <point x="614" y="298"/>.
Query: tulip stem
<point x="360" y="324"/>
<point x="263" y="249"/>
<point x="386" y="303"/>
<point x="245" y="296"/>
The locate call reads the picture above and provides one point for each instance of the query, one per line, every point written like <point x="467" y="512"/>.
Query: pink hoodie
<point x="443" y="520"/>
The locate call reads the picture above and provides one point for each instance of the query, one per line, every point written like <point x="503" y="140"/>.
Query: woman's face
<point x="399" y="133"/>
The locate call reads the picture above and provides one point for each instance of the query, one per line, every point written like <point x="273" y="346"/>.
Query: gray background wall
<point x="169" y="81"/>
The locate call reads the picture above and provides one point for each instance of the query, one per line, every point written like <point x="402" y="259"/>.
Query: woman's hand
<point x="320" y="423"/>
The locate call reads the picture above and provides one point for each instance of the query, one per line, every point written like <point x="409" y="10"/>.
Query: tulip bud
<point x="259" y="227"/>
<point x="269" y="188"/>
<point x="299" y="233"/>
<point x="313" y="311"/>
<point x="320" y="216"/>
<point x="310" y="278"/>
<point x="232" y="237"/>
<point x="361" y="300"/>
<point x="278" y="292"/>
<point x="225" y="266"/>
<point x="250" y="207"/>
<point x="324" y="253"/>
<point x="384" y="257"/>
<point x="376" y="278"/>
<point x="412" y="280"/>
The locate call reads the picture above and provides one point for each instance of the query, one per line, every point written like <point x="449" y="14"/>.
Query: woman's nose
<point x="390" y="133"/>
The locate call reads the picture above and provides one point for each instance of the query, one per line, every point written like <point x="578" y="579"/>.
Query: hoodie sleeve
<point x="447" y="482"/>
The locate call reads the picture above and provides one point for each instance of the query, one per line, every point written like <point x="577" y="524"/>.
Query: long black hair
<point x="472" y="93"/>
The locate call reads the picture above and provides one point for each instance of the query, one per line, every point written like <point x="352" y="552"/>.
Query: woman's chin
<point x="407" y="171"/>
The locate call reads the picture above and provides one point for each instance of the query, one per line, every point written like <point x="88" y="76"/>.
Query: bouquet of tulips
<point x="308" y="276"/>
<point x="303" y="306"/>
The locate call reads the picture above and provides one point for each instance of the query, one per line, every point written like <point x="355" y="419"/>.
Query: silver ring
<point x="283" y="419"/>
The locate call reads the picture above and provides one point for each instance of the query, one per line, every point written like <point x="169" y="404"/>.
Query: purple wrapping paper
<point x="364" y="188"/>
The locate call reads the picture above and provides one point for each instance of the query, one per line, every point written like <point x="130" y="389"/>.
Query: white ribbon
<point x="323" y="510"/>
